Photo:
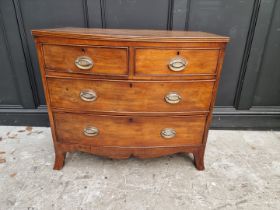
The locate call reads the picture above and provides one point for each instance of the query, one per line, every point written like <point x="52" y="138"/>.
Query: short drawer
<point x="130" y="96"/>
<point x="129" y="131"/>
<point x="172" y="62"/>
<point x="86" y="60"/>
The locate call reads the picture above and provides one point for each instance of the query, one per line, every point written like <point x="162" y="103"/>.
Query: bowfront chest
<point x="122" y="93"/>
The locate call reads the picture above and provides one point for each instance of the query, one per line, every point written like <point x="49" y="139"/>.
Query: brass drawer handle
<point x="168" y="133"/>
<point x="91" y="131"/>
<point x="84" y="62"/>
<point x="178" y="64"/>
<point x="172" y="98"/>
<point x="88" y="95"/>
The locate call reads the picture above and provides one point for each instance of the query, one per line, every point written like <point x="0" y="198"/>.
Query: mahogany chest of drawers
<point x="122" y="93"/>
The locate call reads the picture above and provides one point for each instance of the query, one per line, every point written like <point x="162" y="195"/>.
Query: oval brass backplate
<point x="91" y="131"/>
<point x="88" y="95"/>
<point x="84" y="62"/>
<point x="172" y="98"/>
<point x="168" y="133"/>
<point x="178" y="64"/>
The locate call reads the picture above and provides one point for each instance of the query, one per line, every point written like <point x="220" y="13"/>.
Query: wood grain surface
<point x="106" y="60"/>
<point x="129" y="131"/>
<point x="155" y="61"/>
<point x="130" y="96"/>
<point x="131" y="34"/>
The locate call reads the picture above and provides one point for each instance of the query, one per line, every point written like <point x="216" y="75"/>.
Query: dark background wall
<point x="249" y="92"/>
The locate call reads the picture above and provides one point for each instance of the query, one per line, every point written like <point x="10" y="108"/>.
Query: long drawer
<point x="130" y="96"/>
<point x="129" y="131"/>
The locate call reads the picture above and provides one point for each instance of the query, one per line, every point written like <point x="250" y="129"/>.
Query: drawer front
<point x="86" y="60"/>
<point x="172" y="62"/>
<point x="129" y="96"/>
<point x="128" y="131"/>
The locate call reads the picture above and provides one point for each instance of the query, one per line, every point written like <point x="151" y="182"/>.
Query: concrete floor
<point x="242" y="172"/>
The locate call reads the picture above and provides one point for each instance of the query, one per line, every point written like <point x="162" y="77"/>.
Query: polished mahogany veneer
<point x="122" y="93"/>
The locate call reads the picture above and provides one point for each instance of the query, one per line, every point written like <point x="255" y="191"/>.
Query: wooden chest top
<point x="131" y="34"/>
